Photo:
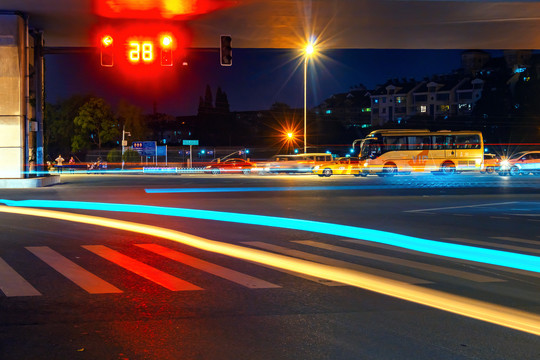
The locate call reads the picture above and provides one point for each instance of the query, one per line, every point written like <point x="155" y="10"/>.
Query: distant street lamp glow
<point x="290" y="135"/>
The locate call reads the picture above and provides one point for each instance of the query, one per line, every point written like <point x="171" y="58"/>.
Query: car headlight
<point x="208" y="167"/>
<point x="316" y="168"/>
<point x="365" y="164"/>
<point x="505" y="163"/>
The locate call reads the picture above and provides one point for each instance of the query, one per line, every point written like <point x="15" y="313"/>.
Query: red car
<point x="228" y="166"/>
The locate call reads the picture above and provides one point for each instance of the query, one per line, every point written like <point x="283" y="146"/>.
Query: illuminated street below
<point x="141" y="318"/>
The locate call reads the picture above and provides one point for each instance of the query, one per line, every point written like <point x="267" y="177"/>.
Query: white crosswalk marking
<point x="496" y="245"/>
<point x="223" y="272"/>
<point x="72" y="271"/>
<point x="335" y="262"/>
<point x="13" y="284"/>
<point x="515" y="239"/>
<point x="403" y="262"/>
<point x="407" y="251"/>
<point x="146" y="271"/>
<point x="304" y="276"/>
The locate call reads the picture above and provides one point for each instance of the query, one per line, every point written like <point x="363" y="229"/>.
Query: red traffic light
<point x="107" y="56"/>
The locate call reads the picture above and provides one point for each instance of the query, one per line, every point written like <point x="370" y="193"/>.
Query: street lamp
<point x="124" y="143"/>
<point x="309" y="50"/>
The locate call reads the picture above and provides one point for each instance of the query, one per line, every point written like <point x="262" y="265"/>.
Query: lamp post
<point x="124" y="143"/>
<point x="308" y="51"/>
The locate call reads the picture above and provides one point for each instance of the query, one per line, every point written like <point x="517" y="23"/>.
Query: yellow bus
<point x="389" y="152"/>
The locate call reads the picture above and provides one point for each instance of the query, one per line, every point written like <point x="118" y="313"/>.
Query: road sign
<point x="190" y="142"/>
<point x="161" y="150"/>
<point x="145" y="148"/>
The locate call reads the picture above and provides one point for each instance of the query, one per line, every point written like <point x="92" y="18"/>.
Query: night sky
<point x="257" y="79"/>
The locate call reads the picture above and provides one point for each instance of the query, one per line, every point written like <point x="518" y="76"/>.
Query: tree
<point x="59" y="125"/>
<point x="222" y="103"/>
<point x="131" y="119"/>
<point x="94" y="125"/>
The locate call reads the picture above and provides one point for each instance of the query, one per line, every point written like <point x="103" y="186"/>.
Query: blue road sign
<point x="190" y="142"/>
<point x="145" y="148"/>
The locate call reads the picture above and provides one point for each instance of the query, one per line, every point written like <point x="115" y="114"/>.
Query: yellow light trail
<point x="480" y="310"/>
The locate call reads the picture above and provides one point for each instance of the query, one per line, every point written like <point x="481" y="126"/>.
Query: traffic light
<point x="225" y="50"/>
<point x="107" y="57"/>
<point x="166" y="50"/>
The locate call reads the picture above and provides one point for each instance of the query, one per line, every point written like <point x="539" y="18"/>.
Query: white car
<point x="523" y="163"/>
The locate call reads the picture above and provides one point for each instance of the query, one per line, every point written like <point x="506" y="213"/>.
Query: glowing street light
<point x="290" y="135"/>
<point x="309" y="51"/>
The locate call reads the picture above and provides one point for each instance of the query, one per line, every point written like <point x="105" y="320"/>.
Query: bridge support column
<point x="13" y="96"/>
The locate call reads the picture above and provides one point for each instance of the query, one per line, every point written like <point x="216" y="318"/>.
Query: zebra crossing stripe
<point x="146" y="271"/>
<point x="403" y="262"/>
<point x="338" y="263"/>
<point x="13" y="284"/>
<point x="223" y="272"/>
<point x="83" y="278"/>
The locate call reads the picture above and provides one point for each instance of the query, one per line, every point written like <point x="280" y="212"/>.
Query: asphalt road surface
<point x="72" y="290"/>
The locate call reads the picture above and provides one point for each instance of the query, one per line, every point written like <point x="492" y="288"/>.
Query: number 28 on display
<point x="141" y="50"/>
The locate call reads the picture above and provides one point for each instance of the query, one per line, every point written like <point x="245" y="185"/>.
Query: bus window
<point x="468" y="141"/>
<point x="395" y="143"/>
<point x="322" y="158"/>
<point x="370" y="148"/>
<point x="418" y="142"/>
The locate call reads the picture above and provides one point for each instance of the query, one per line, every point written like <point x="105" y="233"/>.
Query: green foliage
<point x="95" y="125"/>
<point x="114" y="156"/>
<point x="58" y="123"/>
<point x="131" y="156"/>
<point x="132" y="120"/>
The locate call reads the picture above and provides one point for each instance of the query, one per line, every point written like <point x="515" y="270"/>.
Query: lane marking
<point x="318" y="280"/>
<point x="477" y="309"/>
<point x="456" y="251"/>
<point x="220" y="271"/>
<point x="497" y="245"/>
<point x="438" y="257"/>
<point x="500" y="217"/>
<point x="13" y="284"/>
<point x="462" y="214"/>
<point x="78" y="275"/>
<point x="408" y="263"/>
<point x="337" y="263"/>
<point x="515" y="239"/>
<point x="523" y="214"/>
<point x="146" y="271"/>
<point x="462" y="207"/>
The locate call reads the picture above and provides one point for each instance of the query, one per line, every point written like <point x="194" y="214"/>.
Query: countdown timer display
<point x="137" y="49"/>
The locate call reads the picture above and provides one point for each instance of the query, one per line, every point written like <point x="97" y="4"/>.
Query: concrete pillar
<point x="13" y="92"/>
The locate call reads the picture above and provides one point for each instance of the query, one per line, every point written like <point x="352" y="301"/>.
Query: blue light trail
<point x="457" y="251"/>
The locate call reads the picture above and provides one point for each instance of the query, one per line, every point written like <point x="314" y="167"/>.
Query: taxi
<point x="524" y="163"/>
<point x="341" y="166"/>
<point x="492" y="163"/>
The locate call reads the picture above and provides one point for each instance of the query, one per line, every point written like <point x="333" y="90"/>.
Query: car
<point x="522" y="163"/>
<point x="234" y="165"/>
<point x="297" y="163"/>
<point x="492" y="163"/>
<point x="341" y="166"/>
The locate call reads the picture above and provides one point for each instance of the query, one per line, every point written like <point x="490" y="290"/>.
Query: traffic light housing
<point x="166" y="51"/>
<point x="225" y="50"/>
<point x="107" y="55"/>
